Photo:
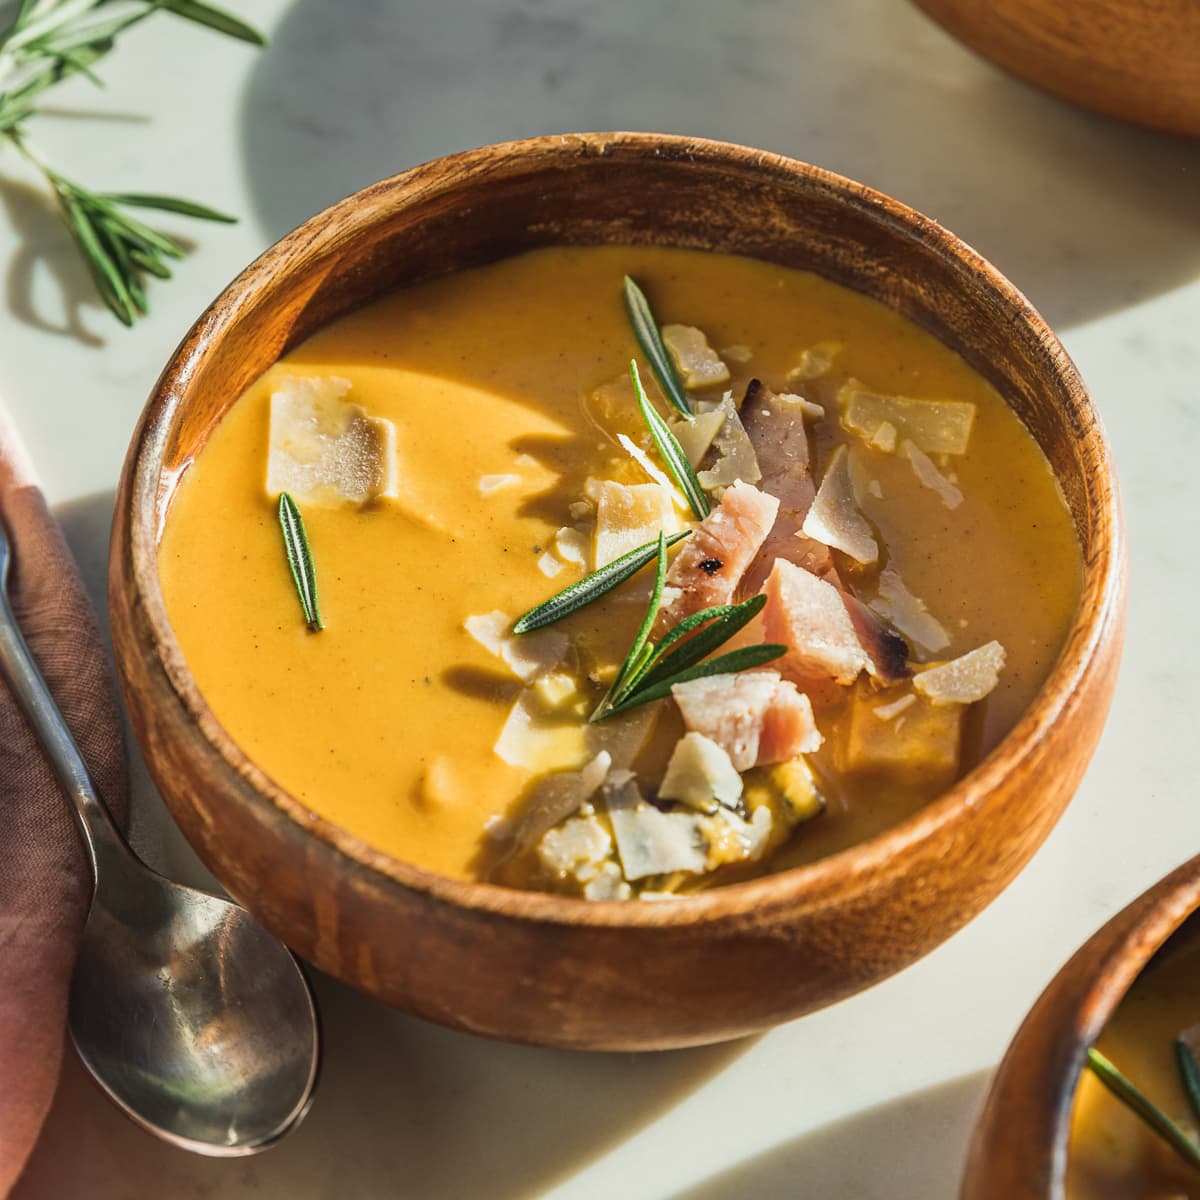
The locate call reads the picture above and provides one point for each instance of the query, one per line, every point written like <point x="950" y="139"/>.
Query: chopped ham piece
<point x="711" y="562"/>
<point x="754" y="716"/>
<point x="809" y="616"/>
<point x="777" y="430"/>
<point x="965" y="679"/>
<point x="887" y="651"/>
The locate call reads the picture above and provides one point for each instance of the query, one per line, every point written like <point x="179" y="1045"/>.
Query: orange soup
<point x="876" y="571"/>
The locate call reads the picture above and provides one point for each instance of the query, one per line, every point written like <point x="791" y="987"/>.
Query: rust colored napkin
<point x="44" y="876"/>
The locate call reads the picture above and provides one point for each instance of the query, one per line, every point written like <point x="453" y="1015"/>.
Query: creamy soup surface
<point x="507" y="387"/>
<point x="1112" y="1154"/>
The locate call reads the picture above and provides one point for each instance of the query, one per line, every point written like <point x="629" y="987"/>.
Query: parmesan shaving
<point x="493" y="483"/>
<point x="527" y="656"/>
<point x="695" y="359"/>
<point x="908" y="613"/>
<point x="935" y="426"/>
<point x="834" y="518"/>
<point x="642" y="459"/>
<point x="963" y="680"/>
<point x="930" y="476"/>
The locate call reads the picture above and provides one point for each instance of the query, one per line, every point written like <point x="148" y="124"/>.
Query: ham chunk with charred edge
<point x="777" y="431"/>
<point x="754" y="716"/>
<point x="810" y="617"/>
<point x="711" y="562"/>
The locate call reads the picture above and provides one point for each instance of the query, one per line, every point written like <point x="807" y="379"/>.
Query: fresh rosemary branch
<point x="645" y="329"/>
<point x="649" y="672"/>
<point x="300" y="563"/>
<point x="1138" y="1102"/>
<point x="49" y="41"/>
<point x="590" y="587"/>
<point x="670" y="449"/>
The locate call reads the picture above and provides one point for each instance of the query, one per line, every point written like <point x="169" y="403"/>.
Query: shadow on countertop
<point x="909" y="1149"/>
<point x="1084" y="214"/>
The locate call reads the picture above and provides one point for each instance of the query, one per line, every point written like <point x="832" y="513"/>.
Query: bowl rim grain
<point x="824" y="881"/>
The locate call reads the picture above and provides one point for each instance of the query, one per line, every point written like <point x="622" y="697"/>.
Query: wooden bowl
<point x="546" y="969"/>
<point x="1134" y="59"/>
<point x="1019" y="1149"/>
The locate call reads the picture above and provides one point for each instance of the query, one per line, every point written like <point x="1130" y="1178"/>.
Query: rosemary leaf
<point x="670" y="449"/>
<point x="645" y="329"/>
<point x="1179" y="1141"/>
<point x="590" y="587"/>
<point x="636" y="659"/>
<point x="726" y="620"/>
<point x="171" y="204"/>
<point x="299" y="557"/>
<point x="1189" y="1073"/>
<point x="106" y="275"/>
<point x="214" y="18"/>
<point x="743" y="659"/>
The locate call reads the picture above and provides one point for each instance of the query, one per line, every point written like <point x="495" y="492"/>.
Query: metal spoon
<point x="193" y="1018"/>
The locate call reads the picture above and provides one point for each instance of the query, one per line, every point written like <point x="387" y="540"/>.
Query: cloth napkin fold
<point x="44" y="874"/>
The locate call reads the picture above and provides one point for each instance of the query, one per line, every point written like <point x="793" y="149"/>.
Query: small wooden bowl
<point x="1019" y="1150"/>
<point x="1134" y="59"/>
<point x="545" y="969"/>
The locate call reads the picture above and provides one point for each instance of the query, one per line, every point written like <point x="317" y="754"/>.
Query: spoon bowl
<point x="196" y="1021"/>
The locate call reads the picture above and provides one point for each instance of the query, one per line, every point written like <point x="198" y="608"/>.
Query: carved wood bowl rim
<point x="1020" y="1145"/>
<point x="805" y="887"/>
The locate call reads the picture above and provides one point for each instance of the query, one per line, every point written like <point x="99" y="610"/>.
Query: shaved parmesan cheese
<point x="555" y="688"/>
<point x="737" y="354"/>
<point x="493" y="483"/>
<point x="809" y="410"/>
<point x="607" y="884"/>
<point x="528" y="655"/>
<point x="736" y="459"/>
<point x="532" y="743"/>
<point x="884" y="438"/>
<point x="814" y="362"/>
<point x="324" y="449"/>
<point x="694" y="358"/>
<point x="908" y="613"/>
<point x="700" y="775"/>
<point x="572" y="546"/>
<point x="935" y="426"/>
<point x="578" y="847"/>
<point x="963" y="680"/>
<point x="642" y="459"/>
<point x="834" y="518"/>
<point x="629" y="517"/>
<point x="549" y="565"/>
<point x="695" y="436"/>
<point x="651" y="842"/>
<point x="930" y="476"/>
<point x="887" y="712"/>
<point x="580" y="509"/>
<point x="621" y="738"/>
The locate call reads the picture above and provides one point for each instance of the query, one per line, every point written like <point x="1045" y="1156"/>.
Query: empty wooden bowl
<point x="548" y="969"/>
<point x="1019" y="1150"/>
<point x="1134" y="59"/>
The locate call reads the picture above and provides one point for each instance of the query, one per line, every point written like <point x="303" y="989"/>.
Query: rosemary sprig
<point x="670" y="449"/>
<point x="649" y="672"/>
<point x="645" y="329"/>
<point x="49" y="41"/>
<point x="300" y="563"/>
<point x="1138" y="1102"/>
<point x="590" y="587"/>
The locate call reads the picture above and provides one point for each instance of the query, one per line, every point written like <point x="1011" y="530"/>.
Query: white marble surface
<point x="1096" y="222"/>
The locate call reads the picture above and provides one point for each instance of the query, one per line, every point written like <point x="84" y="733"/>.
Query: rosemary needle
<point x="645" y="329"/>
<point x="300" y="563"/>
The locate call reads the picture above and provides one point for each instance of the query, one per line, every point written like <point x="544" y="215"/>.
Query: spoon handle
<point x="18" y="667"/>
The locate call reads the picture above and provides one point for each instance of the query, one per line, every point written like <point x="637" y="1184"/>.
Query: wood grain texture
<point x="538" y="968"/>
<point x="1019" y="1150"/>
<point x="1134" y="59"/>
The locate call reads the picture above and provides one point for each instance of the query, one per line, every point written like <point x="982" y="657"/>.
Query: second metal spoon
<point x="196" y="1021"/>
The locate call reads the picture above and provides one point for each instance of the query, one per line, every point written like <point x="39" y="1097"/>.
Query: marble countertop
<point x="1096" y="222"/>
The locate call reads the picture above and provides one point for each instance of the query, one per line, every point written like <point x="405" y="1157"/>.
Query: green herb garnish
<point x="299" y="557"/>
<point x="649" y="672"/>
<point x="645" y="329"/>
<point x="670" y="449"/>
<point x="1138" y="1102"/>
<point x="590" y="587"/>
<point x="49" y="41"/>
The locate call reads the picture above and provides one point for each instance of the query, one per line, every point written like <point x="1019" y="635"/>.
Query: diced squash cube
<point x="919" y="747"/>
